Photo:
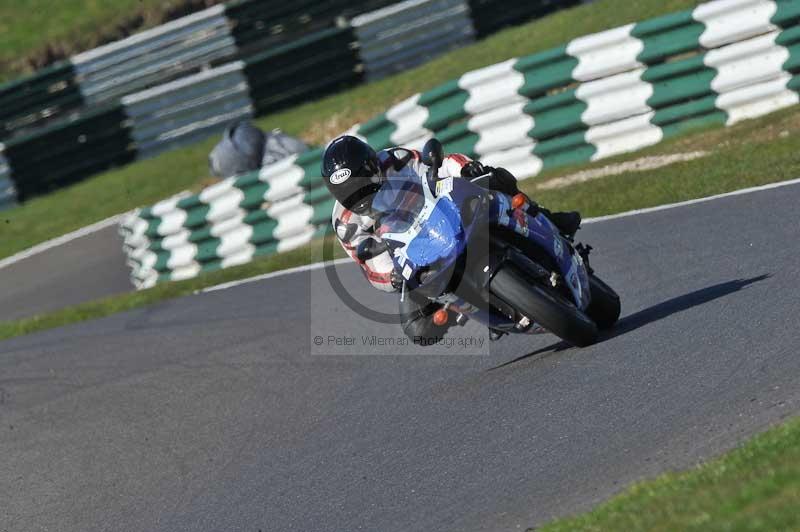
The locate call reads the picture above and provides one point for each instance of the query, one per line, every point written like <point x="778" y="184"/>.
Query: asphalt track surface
<point x="210" y="412"/>
<point x="83" y="269"/>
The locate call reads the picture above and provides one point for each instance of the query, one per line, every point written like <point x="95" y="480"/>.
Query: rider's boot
<point x="567" y="223"/>
<point x="495" y="335"/>
<point x="503" y="181"/>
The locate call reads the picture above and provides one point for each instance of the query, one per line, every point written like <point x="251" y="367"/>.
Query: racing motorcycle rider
<point x="353" y="173"/>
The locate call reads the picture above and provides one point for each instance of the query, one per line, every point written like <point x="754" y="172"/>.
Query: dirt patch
<point x="639" y="165"/>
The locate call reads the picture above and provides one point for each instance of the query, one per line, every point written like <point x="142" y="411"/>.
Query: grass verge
<point x="754" y="487"/>
<point x="146" y="182"/>
<point x="752" y="153"/>
<point x="38" y="32"/>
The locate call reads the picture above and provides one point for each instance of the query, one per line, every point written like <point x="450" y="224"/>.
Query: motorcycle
<point x="481" y="255"/>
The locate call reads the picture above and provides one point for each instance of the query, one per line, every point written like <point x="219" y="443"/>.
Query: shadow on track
<point x="652" y="314"/>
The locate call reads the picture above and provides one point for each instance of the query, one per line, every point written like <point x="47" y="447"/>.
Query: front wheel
<point x="605" y="306"/>
<point x="546" y="307"/>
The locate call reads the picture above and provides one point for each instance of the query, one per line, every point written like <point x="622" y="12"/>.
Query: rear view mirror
<point x="433" y="153"/>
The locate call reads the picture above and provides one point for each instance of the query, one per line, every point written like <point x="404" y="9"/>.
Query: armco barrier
<point x="31" y="101"/>
<point x="239" y="29"/>
<point x="69" y="150"/>
<point x="407" y="34"/>
<point x="600" y="95"/>
<point x="180" y="47"/>
<point x="317" y="64"/>
<point x="8" y="193"/>
<point x="187" y="109"/>
<point x="291" y="52"/>
<point x="182" y="111"/>
<point x="490" y="16"/>
<point x="259" y="25"/>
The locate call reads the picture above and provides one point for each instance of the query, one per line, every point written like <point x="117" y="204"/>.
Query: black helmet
<point x="351" y="172"/>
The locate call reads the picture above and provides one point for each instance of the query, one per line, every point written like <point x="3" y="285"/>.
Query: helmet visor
<point x="360" y="200"/>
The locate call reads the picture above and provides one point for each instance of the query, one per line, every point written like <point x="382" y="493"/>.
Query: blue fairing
<point x="423" y="230"/>
<point x="441" y="236"/>
<point x="424" y="225"/>
<point x="540" y="230"/>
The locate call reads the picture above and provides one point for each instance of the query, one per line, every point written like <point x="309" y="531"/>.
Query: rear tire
<point x="547" y="308"/>
<point x="605" y="306"/>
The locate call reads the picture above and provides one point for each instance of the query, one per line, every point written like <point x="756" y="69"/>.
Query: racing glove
<point x="498" y="179"/>
<point x="397" y="280"/>
<point x="475" y="169"/>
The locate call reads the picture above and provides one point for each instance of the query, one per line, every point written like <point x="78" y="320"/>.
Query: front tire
<point x="546" y="307"/>
<point x="605" y="306"/>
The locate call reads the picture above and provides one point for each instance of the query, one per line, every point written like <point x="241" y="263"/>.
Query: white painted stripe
<point x="501" y="129"/>
<point x="147" y="282"/>
<point x="409" y="118"/>
<point x="599" y="219"/>
<point x="185" y="272"/>
<point x="174" y="241"/>
<point x="168" y="205"/>
<point x="293" y="223"/>
<point x="417" y="143"/>
<point x="224" y="206"/>
<point x="606" y="53"/>
<point x="182" y="257"/>
<point x="283" y="177"/>
<point x="746" y="62"/>
<point x="172" y="222"/>
<point x="241" y="257"/>
<point x="181" y="84"/>
<point x="212" y="192"/>
<point x="491" y="87"/>
<point x="295" y="241"/>
<point x="63" y="239"/>
<point x="757" y="100"/>
<point x="614" y="98"/>
<point x="624" y="136"/>
<point x="231" y="224"/>
<point x="521" y="161"/>
<point x="686" y="203"/>
<point x="729" y="21"/>
<point x="387" y="12"/>
<point x="217" y="11"/>
<point x="136" y="227"/>
<point x="750" y="78"/>
<point x="233" y="242"/>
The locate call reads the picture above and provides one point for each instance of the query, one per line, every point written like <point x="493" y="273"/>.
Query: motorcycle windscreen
<point x="400" y="198"/>
<point x="430" y="228"/>
<point x="440" y="238"/>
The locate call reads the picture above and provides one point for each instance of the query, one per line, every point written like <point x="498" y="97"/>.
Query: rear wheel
<point x="605" y="306"/>
<point x="543" y="305"/>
